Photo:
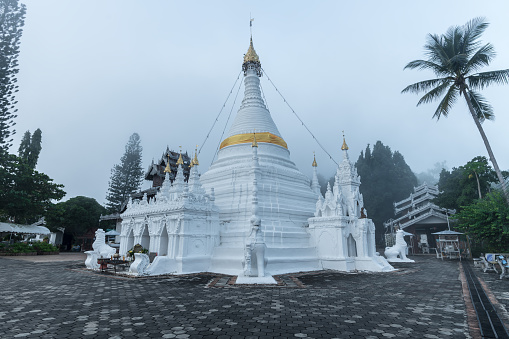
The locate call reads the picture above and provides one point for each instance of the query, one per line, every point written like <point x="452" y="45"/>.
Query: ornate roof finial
<point x="180" y="161"/>
<point x="251" y="55"/>
<point x="167" y="169"/>
<point x="195" y="159"/>
<point x="314" y="160"/>
<point x="344" y="147"/>
<point x="251" y="59"/>
<point x="254" y="143"/>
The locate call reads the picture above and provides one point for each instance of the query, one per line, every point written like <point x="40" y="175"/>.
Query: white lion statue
<point x="399" y="249"/>
<point x="100" y="246"/>
<point x="101" y="250"/>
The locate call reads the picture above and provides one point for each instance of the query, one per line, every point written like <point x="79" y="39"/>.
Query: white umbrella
<point x="112" y="233"/>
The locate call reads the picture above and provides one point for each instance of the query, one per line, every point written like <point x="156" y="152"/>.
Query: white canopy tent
<point x="7" y="227"/>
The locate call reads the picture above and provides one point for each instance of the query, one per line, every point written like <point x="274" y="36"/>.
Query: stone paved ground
<point x="499" y="290"/>
<point x="53" y="300"/>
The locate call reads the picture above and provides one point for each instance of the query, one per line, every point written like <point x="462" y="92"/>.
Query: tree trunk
<point x="487" y="144"/>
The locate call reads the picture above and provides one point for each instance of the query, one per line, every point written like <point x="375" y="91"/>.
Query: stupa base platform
<point x="229" y="260"/>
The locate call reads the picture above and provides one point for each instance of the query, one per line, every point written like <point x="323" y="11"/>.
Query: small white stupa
<point x="253" y="213"/>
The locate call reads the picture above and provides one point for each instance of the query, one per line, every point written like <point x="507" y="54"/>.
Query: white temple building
<point x="253" y="213"/>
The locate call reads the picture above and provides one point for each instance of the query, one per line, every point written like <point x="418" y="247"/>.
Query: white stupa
<point x="285" y="198"/>
<point x="253" y="213"/>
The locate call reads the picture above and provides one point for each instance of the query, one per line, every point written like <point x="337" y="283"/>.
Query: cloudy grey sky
<point x="93" y="72"/>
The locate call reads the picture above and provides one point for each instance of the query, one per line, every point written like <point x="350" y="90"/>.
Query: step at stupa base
<point x="229" y="260"/>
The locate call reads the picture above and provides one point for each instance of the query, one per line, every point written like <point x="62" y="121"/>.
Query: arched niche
<point x="352" y="246"/>
<point x="130" y="239"/>
<point x="163" y="242"/>
<point x="145" y="237"/>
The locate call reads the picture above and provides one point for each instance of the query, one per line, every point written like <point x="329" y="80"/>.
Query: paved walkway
<point x="63" y="256"/>
<point x="60" y="300"/>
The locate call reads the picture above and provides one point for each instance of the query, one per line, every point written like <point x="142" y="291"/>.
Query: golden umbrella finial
<point x="344" y="147"/>
<point x="167" y="169"/>
<point x="180" y="161"/>
<point x="314" y="160"/>
<point x="195" y="159"/>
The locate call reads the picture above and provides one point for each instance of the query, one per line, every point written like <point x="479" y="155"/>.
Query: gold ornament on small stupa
<point x="195" y="159"/>
<point x="167" y="169"/>
<point x="314" y="161"/>
<point x="180" y="161"/>
<point x="344" y="147"/>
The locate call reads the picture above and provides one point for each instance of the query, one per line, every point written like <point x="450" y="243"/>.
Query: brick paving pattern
<point x="56" y="300"/>
<point x="497" y="290"/>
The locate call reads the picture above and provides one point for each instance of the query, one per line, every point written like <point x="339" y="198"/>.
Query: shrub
<point x="44" y="247"/>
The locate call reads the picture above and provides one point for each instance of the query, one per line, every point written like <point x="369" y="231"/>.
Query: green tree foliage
<point x="461" y="186"/>
<point x="24" y="146"/>
<point x="127" y="176"/>
<point x="487" y="221"/>
<point x="386" y="178"/>
<point x="12" y="19"/>
<point x="26" y="194"/>
<point x="30" y="147"/>
<point x="77" y="215"/>
<point x="35" y="148"/>
<point x="455" y="57"/>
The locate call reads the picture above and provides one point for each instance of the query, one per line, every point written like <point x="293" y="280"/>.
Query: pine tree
<point x="386" y="178"/>
<point x="35" y="148"/>
<point x="30" y="148"/>
<point x="12" y="19"/>
<point x="24" y="146"/>
<point x="127" y="176"/>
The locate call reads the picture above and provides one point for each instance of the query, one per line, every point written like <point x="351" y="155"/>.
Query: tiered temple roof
<point x="155" y="171"/>
<point x="418" y="208"/>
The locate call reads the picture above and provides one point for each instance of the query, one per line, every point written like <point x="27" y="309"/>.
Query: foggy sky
<point x="93" y="72"/>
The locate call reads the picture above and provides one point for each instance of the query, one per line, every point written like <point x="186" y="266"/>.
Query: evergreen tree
<point x="24" y="146"/>
<point x="12" y="19"/>
<point x="127" y="176"/>
<point x="26" y="194"/>
<point x="35" y="148"/>
<point x="386" y="178"/>
<point x="30" y="147"/>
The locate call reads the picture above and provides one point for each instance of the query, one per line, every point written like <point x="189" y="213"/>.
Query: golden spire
<point x="195" y="159"/>
<point x="251" y="55"/>
<point x="314" y="161"/>
<point x="180" y="161"/>
<point x="344" y="147"/>
<point x="167" y="169"/>
<point x="254" y="143"/>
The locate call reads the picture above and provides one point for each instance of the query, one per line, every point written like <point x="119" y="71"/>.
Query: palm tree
<point x="455" y="57"/>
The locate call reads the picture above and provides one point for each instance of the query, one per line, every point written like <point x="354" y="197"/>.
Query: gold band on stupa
<point x="249" y="138"/>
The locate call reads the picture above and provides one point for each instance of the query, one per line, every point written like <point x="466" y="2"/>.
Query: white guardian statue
<point x="399" y="249"/>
